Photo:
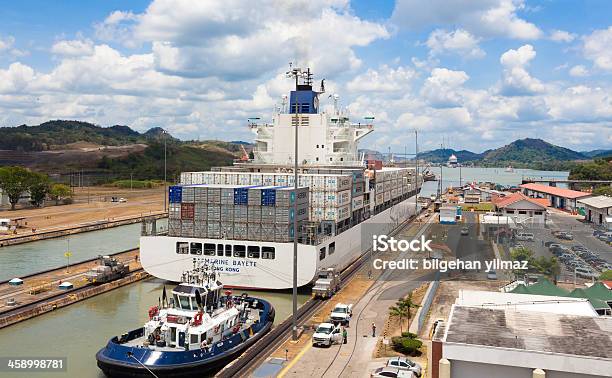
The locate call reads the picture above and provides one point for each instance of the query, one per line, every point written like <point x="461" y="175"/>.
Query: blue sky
<point x="479" y="73"/>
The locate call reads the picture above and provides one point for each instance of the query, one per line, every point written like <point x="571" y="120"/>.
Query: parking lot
<point x="587" y="248"/>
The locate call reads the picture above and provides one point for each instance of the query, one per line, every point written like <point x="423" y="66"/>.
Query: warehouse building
<point x="524" y="210"/>
<point x="564" y="199"/>
<point x="511" y="341"/>
<point x="598" y="210"/>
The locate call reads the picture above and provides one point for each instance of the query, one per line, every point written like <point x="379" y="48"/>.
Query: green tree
<point x="603" y="191"/>
<point x="39" y="188"/>
<point x="14" y="181"/>
<point x="521" y="254"/>
<point x="606" y="275"/>
<point x="402" y="309"/>
<point x="59" y="192"/>
<point x="548" y="267"/>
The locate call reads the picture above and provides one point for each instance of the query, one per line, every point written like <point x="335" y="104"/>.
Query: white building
<point x="448" y="214"/>
<point x="512" y="342"/>
<point x="598" y="210"/>
<point x="524" y="210"/>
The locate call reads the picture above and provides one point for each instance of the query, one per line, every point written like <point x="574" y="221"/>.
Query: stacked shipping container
<point x="236" y="212"/>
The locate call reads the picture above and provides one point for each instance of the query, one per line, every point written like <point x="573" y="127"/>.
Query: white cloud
<point x="458" y="41"/>
<point x="385" y="79"/>
<point x="516" y="81"/>
<point x="597" y="48"/>
<point x="486" y="18"/>
<point x="73" y="47"/>
<point x="7" y="47"/>
<point x="578" y="71"/>
<point x="117" y="27"/>
<point x="562" y="36"/>
<point x="442" y="88"/>
<point x="203" y="39"/>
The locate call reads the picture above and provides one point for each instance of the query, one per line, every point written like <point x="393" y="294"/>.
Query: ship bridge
<point x="323" y="138"/>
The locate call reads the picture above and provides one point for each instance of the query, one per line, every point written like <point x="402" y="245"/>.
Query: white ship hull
<point x="159" y="258"/>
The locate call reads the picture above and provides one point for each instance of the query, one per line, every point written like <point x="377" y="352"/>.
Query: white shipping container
<point x="231" y="178"/>
<point x="316" y="213"/>
<point x="317" y="199"/>
<point x="305" y="181"/>
<point x="344" y="197"/>
<point x="379" y="198"/>
<point x="380" y="187"/>
<point x="186" y="178"/>
<point x="244" y="179"/>
<point x="336" y="183"/>
<point x="394" y="193"/>
<point x="357" y="203"/>
<point x="317" y="182"/>
<point x="280" y="180"/>
<point x="387" y="186"/>
<point x="387" y="196"/>
<point x="256" y="179"/>
<point x="219" y="178"/>
<point x="268" y="179"/>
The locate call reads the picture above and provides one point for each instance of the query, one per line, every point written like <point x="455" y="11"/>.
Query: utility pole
<point x="296" y="73"/>
<point x="165" y="170"/>
<point x="416" y="177"/>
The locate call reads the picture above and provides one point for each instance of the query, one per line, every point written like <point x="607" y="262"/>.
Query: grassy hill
<point x="528" y="151"/>
<point x="51" y="134"/>
<point x="181" y="157"/>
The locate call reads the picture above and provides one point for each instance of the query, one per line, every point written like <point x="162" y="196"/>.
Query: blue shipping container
<point x="268" y="197"/>
<point x="175" y="194"/>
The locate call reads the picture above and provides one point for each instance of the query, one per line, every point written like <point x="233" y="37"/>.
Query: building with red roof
<point x="521" y="208"/>
<point x="559" y="198"/>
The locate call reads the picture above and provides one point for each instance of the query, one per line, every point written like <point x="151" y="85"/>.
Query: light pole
<point x="295" y="73"/>
<point x="416" y="178"/>
<point x="165" y="170"/>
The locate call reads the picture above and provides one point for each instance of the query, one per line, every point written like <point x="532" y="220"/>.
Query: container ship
<point x="240" y="218"/>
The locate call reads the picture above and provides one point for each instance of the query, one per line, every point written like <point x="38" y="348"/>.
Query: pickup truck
<point x="327" y="334"/>
<point x="341" y="314"/>
<point x="327" y="283"/>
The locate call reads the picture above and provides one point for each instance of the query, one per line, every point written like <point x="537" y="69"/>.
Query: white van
<point x="524" y="236"/>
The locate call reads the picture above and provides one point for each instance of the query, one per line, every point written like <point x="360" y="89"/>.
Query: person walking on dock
<point x="373" y="329"/>
<point x="344" y="335"/>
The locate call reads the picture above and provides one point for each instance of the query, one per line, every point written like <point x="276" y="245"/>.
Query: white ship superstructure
<point x="240" y="218"/>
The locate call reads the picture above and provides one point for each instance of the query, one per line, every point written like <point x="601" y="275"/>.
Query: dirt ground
<point x="91" y="204"/>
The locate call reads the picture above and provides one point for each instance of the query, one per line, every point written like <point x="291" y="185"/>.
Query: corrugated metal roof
<point x="553" y="190"/>
<point x="531" y="331"/>
<point x="599" y="202"/>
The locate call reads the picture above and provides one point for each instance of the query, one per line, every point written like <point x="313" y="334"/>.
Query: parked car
<point x="577" y="248"/>
<point x="524" y="236"/>
<point x="326" y="334"/>
<point x="585" y="273"/>
<point x="392" y="372"/>
<point x="465" y="231"/>
<point x="491" y="275"/>
<point x="565" y="235"/>
<point x="551" y="246"/>
<point x="403" y="363"/>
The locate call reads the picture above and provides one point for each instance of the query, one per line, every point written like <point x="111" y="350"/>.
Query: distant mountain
<point x="527" y="153"/>
<point x="530" y="151"/>
<point x="441" y="155"/>
<point x="52" y="134"/>
<point x="597" y="153"/>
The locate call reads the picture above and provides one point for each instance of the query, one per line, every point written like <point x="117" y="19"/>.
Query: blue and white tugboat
<point x="199" y="328"/>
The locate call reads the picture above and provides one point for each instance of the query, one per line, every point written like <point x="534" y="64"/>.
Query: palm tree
<point x="409" y="304"/>
<point x="400" y="311"/>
